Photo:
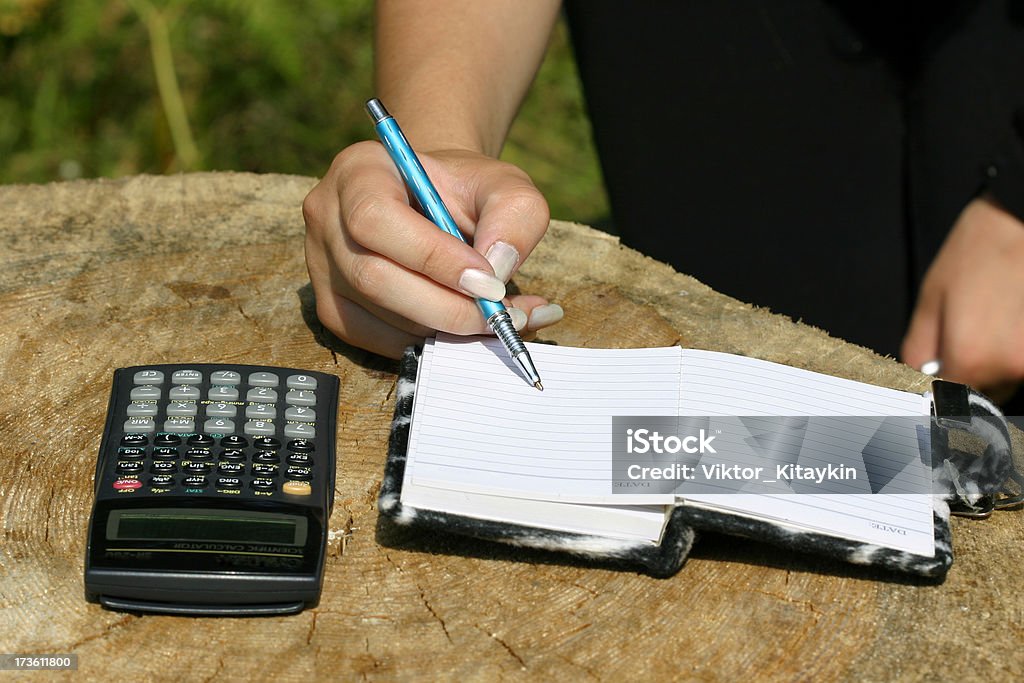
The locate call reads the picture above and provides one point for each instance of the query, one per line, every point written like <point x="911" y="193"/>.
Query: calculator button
<point x="260" y="411"/>
<point x="184" y="393"/>
<point x="301" y="445"/>
<point x="131" y="453"/>
<point x="145" y="393"/>
<point x="134" y="440"/>
<point x="161" y="481"/>
<point x="234" y="441"/>
<point x="187" y="377"/>
<point x="148" y="377"/>
<point x="263" y="484"/>
<point x="222" y="394"/>
<point x="264" y="469"/>
<point x="164" y="467"/>
<point x="219" y="425"/>
<point x="229" y="483"/>
<point x="141" y="410"/>
<point x="232" y="455"/>
<point x="196" y="453"/>
<point x="297" y="488"/>
<point x="261" y="395"/>
<point x="122" y="484"/>
<point x="180" y="425"/>
<point x="266" y="443"/>
<point x="233" y="468"/>
<point x="226" y="377"/>
<point x="139" y="425"/>
<point x="301" y="382"/>
<point x="263" y="379"/>
<point x="167" y="440"/>
<point x="221" y="410"/>
<point x="196" y="467"/>
<point x="196" y="481"/>
<point x="266" y="456"/>
<point x="128" y="467"/>
<point x="295" y="472"/>
<point x="299" y="431"/>
<point x="296" y="397"/>
<point x="258" y="428"/>
<point x="300" y="414"/>
<point x="165" y="453"/>
<point x="182" y="408"/>
<point x="200" y="440"/>
<point x="301" y="459"/>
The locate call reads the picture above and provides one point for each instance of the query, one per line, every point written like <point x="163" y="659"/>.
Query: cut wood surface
<point x="209" y="268"/>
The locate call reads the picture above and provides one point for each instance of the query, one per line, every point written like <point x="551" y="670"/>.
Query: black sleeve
<point x="1005" y="175"/>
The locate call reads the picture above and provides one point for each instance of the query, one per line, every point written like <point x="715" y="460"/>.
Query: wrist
<point x="430" y="123"/>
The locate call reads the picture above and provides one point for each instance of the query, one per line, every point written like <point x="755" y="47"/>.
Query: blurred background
<point x="107" y="88"/>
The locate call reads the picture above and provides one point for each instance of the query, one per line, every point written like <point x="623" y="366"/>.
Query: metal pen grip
<point x="501" y="324"/>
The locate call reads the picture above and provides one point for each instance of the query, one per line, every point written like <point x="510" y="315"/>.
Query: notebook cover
<point x="843" y="549"/>
<point x="680" y="533"/>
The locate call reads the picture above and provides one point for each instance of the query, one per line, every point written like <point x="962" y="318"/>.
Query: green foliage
<point x="114" y="87"/>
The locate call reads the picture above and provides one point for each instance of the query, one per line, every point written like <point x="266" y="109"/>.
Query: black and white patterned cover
<point x="667" y="558"/>
<point x="657" y="560"/>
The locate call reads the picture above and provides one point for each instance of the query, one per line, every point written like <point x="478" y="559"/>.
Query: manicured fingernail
<point x="545" y="315"/>
<point x="518" y="316"/>
<point x="503" y="257"/>
<point x="481" y="285"/>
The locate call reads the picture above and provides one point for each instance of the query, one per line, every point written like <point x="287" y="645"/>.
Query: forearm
<point x="454" y="72"/>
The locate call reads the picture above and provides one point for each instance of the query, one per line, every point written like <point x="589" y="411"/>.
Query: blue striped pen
<point x="430" y="203"/>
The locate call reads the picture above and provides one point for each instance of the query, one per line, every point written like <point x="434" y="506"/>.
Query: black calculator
<point x="214" y="487"/>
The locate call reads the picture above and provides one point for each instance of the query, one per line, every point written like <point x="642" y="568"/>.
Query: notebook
<point x="475" y="449"/>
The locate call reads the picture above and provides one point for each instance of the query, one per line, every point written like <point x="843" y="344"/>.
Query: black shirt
<point x="807" y="156"/>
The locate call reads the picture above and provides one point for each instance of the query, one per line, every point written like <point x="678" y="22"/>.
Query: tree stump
<point x="209" y="268"/>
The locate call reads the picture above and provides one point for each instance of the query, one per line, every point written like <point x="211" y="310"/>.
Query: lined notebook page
<point x="725" y="384"/>
<point x="479" y="427"/>
<point x="719" y="384"/>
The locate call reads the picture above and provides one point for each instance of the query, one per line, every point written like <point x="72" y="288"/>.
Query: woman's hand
<point x="385" y="277"/>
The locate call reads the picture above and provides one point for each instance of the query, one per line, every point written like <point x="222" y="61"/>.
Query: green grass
<point x="107" y="88"/>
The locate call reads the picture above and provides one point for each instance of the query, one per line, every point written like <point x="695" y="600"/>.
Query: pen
<point x="430" y="203"/>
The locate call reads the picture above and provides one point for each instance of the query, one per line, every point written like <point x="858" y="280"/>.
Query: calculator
<point x="213" y="490"/>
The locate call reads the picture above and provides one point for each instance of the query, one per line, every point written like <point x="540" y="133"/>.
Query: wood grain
<point x="209" y="267"/>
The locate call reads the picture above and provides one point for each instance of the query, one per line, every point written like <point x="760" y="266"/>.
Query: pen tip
<point x="540" y="387"/>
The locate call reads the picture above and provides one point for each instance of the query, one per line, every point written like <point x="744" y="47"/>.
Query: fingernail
<point x="545" y="315"/>
<point x="503" y="257"/>
<point x="481" y="285"/>
<point x="932" y="367"/>
<point x="518" y="316"/>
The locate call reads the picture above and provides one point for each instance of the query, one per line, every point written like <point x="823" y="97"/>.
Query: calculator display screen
<point x="201" y="524"/>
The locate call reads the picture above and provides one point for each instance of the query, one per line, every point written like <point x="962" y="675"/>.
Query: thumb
<point x="512" y="217"/>
<point x="921" y="343"/>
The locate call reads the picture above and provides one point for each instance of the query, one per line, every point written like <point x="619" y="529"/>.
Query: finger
<point x="921" y="343"/>
<point x="974" y="342"/>
<point x="395" y="293"/>
<point x="539" y="312"/>
<point x="357" y="326"/>
<point x="501" y="204"/>
<point x="376" y="214"/>
<point x="512" y="219"/>
<point x="385" y="281"/>
<point x="401" y="298"/>
<point x="328" y="282"/>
